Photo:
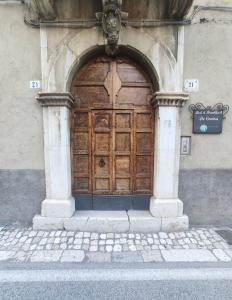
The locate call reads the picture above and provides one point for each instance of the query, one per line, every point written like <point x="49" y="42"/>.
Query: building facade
<point x="116" y="106"/>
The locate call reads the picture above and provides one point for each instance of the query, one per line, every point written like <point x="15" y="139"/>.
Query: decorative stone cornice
<point x="42" y="9"/>
<point x="169" y="99"/>
<point x="56" y="99"/>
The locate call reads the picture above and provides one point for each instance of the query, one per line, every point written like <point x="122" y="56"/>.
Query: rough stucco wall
<point x="208" y="58"/>
<point x="21" y="134"/>
<point x="205" y="184"/>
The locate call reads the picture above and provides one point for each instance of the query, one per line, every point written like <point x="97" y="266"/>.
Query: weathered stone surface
<point x="98" y="257"/>
<point x="152" y="256"/>
<point x="98" y="221"/>
<point x="73" y="256"/>
<point x="221" y="255"/>
<point x="52" y="208"/>
<point x="126" y="257"/>
<point x="44" y="223"/>
<point x="166" y="208"/>
<point x="175" y="224"/>
<point x="143" y="221"/>
<point x="188" y="255"/>
<point x="46" y="256"/>
<point x="6" y="255"/>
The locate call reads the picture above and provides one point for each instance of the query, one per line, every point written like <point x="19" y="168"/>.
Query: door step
<point x="112" y="221"/>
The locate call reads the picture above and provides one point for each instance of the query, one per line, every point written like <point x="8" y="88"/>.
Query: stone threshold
<point x="112" y="221"/>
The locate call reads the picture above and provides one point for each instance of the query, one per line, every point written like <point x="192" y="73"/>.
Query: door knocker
<point x="101" y="163"/>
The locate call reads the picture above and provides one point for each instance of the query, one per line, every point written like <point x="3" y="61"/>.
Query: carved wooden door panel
<point x="102" y="151"/>
<point x="112" y="129"/>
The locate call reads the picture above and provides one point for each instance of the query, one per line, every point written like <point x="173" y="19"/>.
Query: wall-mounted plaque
<point x="208" y="120"/>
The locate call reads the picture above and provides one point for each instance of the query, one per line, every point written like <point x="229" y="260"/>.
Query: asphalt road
<point x="137" y="281"/>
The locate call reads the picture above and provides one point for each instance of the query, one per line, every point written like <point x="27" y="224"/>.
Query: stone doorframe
<point x="57" y="69"/>
<point x="59" y="203"/>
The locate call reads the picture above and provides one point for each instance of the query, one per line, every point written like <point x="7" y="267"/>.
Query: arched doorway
<point x="112" y="135"/>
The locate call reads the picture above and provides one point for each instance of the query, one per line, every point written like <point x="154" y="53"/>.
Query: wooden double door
<point x="112" y="130"/>
<point x="112" y="152"/>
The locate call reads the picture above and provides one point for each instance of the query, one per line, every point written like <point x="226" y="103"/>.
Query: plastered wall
<point x="21" y="135"/>
<point x="208" y="58"/>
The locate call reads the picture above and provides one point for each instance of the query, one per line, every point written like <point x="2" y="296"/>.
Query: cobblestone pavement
<point x="198" y="244"/>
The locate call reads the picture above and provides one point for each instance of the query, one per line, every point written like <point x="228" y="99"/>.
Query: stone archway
<point x="59" y="205"/>
<point x="112" y="135"/>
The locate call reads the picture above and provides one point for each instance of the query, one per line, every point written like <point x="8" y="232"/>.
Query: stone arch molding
<point x="61" y="54"/>
<point x="58" y="68"/>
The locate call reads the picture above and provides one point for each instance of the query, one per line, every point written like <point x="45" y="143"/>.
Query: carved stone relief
<point x="111" y="18"/>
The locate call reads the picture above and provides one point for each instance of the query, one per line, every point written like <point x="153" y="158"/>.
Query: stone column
<point x="59" y="202"/>
<point x="165" y="203"/>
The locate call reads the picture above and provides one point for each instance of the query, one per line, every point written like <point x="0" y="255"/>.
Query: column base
<point x="175" y="224"/>
<point x="46" y="223"/>
<point x="166" y="208"/>
<point x="171" y="213"/>
<point x="53" y="208"/>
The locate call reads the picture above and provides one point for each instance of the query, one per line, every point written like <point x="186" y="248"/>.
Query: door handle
<point x="101" y="163"/>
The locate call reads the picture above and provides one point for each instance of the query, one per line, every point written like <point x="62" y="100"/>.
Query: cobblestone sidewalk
<point x="26" y="245"/>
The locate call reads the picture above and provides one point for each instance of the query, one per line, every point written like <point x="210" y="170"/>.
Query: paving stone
<point x="152" y="256"/>
<point x="126" y="257"/>
<point x="22" y="256"/>
<point x="77" y="247"/>
<point x="139" y="247"/>
<point x="150" y="240"/>
<point x="221" y="255"/>
<point x="98" y="257"/>
<point x="125" y="247"/>
<point x="79" y="235"/>
<point x="109" y="248"/>
<point x="32" y="234"/>
<point x="132" y="247"/>
<point x="93" y="248"/>
<point x="117" y="248"/>
<point x="71" y="233"/>
<point x="103" y="236"/>
<point x="110" y="235"/>
<point x="94" y="236"/>
<point x="46" y="256"/>
<point x="109" y="242"/>
<point x="94" y="242"/>
<point x="29" y="240"/>
<point x="85" y="247"/>
<point x="63" y="246"/>
<point x="163" y="235"/>
<point x="6" y="255"/>
<point x="190" y="255"/>
<point x="72" y="256"/>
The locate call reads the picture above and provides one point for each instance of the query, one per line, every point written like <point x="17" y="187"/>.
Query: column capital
<point x="169" y="99"/>
<point x="56" y="99"/>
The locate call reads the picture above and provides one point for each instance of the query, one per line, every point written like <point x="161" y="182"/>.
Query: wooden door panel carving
<point x="112" y="129"/>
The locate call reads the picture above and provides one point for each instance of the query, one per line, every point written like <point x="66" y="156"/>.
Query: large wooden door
<point x="112" y="129"/>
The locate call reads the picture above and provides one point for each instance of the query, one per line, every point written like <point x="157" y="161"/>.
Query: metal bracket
<point x="216" y="107"/>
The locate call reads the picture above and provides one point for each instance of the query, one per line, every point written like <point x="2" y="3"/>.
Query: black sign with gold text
<point x="208" y="120"/>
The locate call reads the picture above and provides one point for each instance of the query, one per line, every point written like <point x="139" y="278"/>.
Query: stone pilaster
<point x="165" y="203"/>
<point x="59" y="202"/>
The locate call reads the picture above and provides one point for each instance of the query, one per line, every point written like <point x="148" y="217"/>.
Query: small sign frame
<point x="185" y="145"/>
<point x="208" y="119"/>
